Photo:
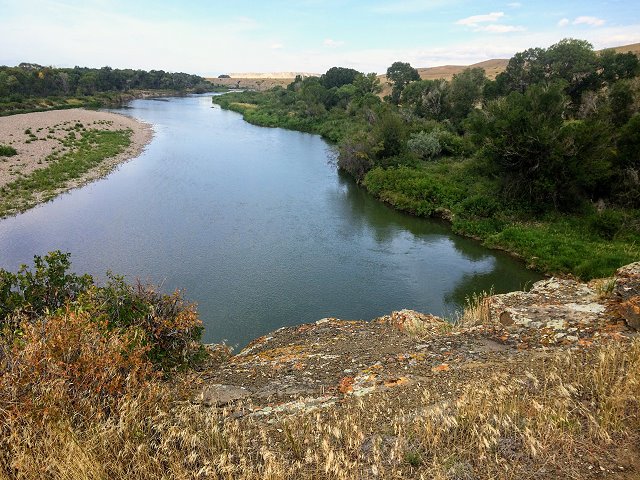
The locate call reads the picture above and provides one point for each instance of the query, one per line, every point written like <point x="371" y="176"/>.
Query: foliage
<point x="36" y="80"/>
<point x="400" y="74"/>
<point x="7" y="151"/>
<point x="425" y="145"/>
<point x="466" y="92"/>
<point x="517" y="162"/>
<point x="166" y="326"/>
<point x="31" y="87"/>
<point x="545" y="161"/>
<point x="338" y="76"/>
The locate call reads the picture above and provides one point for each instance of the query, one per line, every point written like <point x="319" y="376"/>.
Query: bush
<point x="607" y="223"/>
<point x="7" y="151"/>
<point x="165" y="325"/>
<point x="425" y="145"/>
<point x="69" y="365"/>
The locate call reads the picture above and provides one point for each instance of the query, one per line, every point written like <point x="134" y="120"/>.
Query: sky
<point x="209" y="37"/>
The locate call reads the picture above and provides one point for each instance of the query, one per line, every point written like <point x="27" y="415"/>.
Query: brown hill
<point x="262" y="81"/>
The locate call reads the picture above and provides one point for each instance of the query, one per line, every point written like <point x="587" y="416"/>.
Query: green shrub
<point x="7" y="151"/>
<point x="607" y="223"/>
<point x="425" y="145"/>
<point x="167" y="326"/>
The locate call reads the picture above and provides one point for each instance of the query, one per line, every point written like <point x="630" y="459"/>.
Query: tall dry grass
<point x="557" y="418"/>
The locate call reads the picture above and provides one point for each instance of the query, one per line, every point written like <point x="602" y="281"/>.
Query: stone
<point x="220" y="395"/>
<point x="627" y="282"/>
<point x="630" y="311"/>
<point x="506" y="319"/>
<point x="410" y="320"/>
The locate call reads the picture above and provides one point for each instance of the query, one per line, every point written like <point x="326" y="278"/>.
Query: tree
<point x="523" y="70"/>
<point x="617" y="66"/>
<point x="466" y="91"/>
<point x="339" y="76"/>
<point x="543" y="162"/>
<point x="428" y="98"/>
<point x="575" y="62"/>
<point x="367" y="84"/>
<point x="400" y="74"/>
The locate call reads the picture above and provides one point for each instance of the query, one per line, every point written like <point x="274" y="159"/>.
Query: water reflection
<point x="257" y="226"/>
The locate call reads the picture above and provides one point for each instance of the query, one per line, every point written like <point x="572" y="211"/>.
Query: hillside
<point x="266" y="81"/>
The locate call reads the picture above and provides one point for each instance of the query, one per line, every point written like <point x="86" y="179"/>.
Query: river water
<point x="257" y="226"/>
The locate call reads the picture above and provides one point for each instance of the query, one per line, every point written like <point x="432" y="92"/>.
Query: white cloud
<point x="475" y="22"/>
<point x="498" y="28"/>
<point x="276" y="46"/>
<point x="564" y="22"/>
<point x="475" y="19"/>
<point x="592" y="21"/>
<point x="514" y="5"/>
<point x="410" y="6"/>
<point x="331" y="43"/>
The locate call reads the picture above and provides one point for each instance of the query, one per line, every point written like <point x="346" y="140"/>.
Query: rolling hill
<point x="265" y="81"/>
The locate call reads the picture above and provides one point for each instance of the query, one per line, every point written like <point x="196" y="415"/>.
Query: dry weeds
<point x="565" y="416"/>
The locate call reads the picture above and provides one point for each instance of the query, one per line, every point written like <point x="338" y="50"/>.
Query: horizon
<point x="309" y="36"/>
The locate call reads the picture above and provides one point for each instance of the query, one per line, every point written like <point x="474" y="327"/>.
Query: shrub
<point x="425" y="145"/>
<point x="607" y="223"/>
<point x="167" y="326"/>
<point x="69" y="365"/>
<point x="7" y="151"/>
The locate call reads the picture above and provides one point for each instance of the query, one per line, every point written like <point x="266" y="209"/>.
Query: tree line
<point x="33" y="80"/>
<point x="553" y="140"/>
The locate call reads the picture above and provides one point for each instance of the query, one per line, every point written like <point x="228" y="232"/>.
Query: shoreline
<point x="39" y="137"/>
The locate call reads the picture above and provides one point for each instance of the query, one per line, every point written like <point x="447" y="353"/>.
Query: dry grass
<point x="476" y="310"/>
<point x="554" y="418"/>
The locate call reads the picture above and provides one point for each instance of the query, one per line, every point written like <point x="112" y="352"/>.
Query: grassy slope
<point x="457" y="190"/>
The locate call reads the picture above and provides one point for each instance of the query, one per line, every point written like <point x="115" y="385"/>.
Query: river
<point x="257" y="226"/>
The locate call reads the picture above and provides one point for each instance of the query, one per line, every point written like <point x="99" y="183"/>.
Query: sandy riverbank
<point x="36" y="136"/>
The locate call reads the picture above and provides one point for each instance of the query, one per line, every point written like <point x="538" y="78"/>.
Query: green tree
<point x="523" y="70"/>
<point x="544" y="163"/>
<point x="400" y="74"/>
<point x="427" y="98"/>
<point x="339" y="76"/>
<point x="368" y="84"/>
<point x="466" y="91"/>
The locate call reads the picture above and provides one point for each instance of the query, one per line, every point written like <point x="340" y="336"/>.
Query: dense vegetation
<point x="542" y="161"/>
<point x="31" y="87"/>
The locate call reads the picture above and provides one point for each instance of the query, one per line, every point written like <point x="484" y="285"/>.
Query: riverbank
<point x="459" y="187"/>
<point x="541" y="385"/>
<point x="59" y="150"/>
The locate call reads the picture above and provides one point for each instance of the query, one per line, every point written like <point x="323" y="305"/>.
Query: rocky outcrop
<point x="626" y="294"/>
<point x="315" y="366"/>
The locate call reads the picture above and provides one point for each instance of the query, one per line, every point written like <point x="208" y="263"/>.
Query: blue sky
<point x="210" y="37"/>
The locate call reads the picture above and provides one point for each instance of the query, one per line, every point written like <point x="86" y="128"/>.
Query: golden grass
<point x="476" y="310"/>
<point x="555" y="418"/>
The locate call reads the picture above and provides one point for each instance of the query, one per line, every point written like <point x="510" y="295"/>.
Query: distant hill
<point x="265" y="81"/>
<point x="273" y="75"/>
<point x="259" y="81"/>
<point x="491" y="67"/>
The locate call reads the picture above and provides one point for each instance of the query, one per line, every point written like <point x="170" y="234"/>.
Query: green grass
<point x="87" y="150"/>
<point x="7" y="151"/>
<point x="585" y="244"/>
<point x="264" y="109"/>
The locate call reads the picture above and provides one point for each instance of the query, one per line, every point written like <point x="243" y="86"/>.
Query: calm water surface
<point x="257" y="226"/>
